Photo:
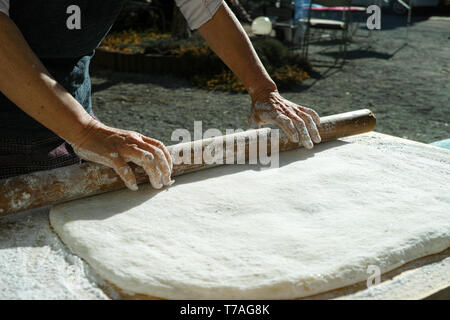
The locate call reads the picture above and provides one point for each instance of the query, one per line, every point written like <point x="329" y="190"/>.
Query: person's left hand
<point x="299" y="123"/>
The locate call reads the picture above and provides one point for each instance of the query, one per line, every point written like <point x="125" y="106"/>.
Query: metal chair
<point x="342" y="26"/>
<point x="285" y="21"/>
<point x="400" y="6"/>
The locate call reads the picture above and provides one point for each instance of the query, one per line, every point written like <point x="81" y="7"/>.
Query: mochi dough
<point x="314" y="224"/>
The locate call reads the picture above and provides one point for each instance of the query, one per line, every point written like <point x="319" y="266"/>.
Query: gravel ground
<point x="407" y="87"/>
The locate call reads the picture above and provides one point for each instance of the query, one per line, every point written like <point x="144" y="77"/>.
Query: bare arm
<point x="226" y="37"/>
<point x="27" y="83"/>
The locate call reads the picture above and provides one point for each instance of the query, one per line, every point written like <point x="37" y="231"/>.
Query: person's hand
<point x="299" y="123"/>
<point x="115" y="147"/>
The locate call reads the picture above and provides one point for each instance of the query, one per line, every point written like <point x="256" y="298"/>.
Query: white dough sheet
<point x="314" y="224"/>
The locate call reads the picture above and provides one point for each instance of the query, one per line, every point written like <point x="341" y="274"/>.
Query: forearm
<point x="27" y="83"/>
<point x="226" y="37"/>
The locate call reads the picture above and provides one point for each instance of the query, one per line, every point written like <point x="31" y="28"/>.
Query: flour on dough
<point x="240" y="232"/>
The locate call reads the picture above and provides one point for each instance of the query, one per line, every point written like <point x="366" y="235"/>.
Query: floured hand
<point x="299" y="123"/>
<point x="115" y="147"/>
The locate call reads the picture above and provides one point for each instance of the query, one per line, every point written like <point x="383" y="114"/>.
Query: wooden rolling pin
<point x="77" y="181"/>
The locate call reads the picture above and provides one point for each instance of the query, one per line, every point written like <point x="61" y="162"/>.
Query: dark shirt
<point x="66" y="53"/>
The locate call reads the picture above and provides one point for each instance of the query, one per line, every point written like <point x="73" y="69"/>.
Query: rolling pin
<point x="86" y="179"/>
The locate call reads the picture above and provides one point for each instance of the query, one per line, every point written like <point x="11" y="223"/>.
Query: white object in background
<point x="262" y="26"/>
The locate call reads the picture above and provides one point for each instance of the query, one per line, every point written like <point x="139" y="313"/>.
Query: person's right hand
<point x="115" y="147"/>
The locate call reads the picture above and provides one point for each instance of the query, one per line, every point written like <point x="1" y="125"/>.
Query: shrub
<point x="285" y="67"/>
<point x="131" y="40"/>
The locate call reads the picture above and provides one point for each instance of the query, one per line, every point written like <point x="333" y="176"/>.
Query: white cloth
<point x="4" y="6"/>
<point x="197" y="12"/>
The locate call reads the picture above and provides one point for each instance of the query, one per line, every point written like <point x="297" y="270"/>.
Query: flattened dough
<point x="239" y="232"/>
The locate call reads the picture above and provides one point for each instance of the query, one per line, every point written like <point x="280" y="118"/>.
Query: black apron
<point x="26" y="145"/>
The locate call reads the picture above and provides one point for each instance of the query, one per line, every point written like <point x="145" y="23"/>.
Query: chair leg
<point x="342" y="49"/>
<point x="305" y="43"/>
<point x="344" y="54"/>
